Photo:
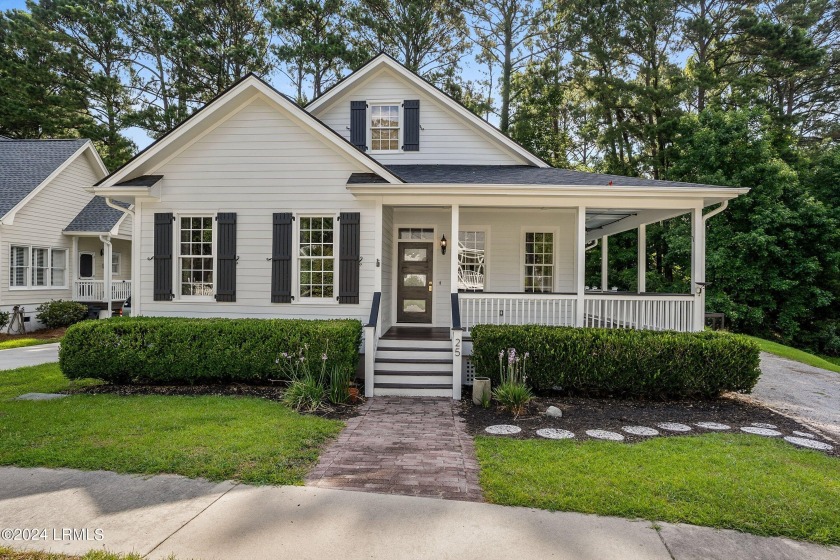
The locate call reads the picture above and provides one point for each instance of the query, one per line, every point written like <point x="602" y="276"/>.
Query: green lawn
<point x="748" y="483"/>
<point x="832" y="364"/>
<point x="21" y="342"/>
<point x="10" y="554"/>
<point x="219" y="438"/>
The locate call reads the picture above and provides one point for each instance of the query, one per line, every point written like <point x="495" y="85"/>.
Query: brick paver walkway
<point x="403" y="445"/>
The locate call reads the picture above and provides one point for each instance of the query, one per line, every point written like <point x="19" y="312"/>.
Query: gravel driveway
<point x="807" y="393"/>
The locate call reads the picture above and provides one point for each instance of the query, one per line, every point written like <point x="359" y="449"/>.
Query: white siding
<point x="387" y="267"/>
<point x="445" y="137"/>
<point x="256" y="163"/>
<point x="39" y="223"/>
<point x="95" y="246"/>
<point x="127" y="226"/>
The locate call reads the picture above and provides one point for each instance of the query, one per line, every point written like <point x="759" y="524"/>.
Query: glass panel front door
<point x="415" y="284"/>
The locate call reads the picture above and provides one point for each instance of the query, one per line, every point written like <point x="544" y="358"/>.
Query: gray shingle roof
<point x="511" y="175"/>
<point x="24" y="164"/>
<point x="96" y="216"/>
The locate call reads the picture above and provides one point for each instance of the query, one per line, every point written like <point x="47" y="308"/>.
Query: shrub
<point x="619" y="362"/>
<point x="179" y="350"/>
<point x="513" y="393"/>
<point x="61" y="313"/>
<point x="340" y="379"/>
<point x="4" y="319"/>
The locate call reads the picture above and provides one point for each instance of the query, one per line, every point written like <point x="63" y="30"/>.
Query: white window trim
<point x="176" y="281"/>
<point x="296" y="260"/>
<point x="528" y="229"/>
<point x="31" y="269"/>
<point x="486" y="231"/>
<point x="117" y="261"/>
<point x="92" y="266"/>
<point x="369" y="114"/>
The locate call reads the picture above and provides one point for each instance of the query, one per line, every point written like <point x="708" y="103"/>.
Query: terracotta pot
<point x="353" y="392"/>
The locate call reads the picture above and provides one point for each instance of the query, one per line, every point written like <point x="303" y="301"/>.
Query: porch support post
<point x="605" y="258"/>
<point x="641" y="260"/>
<point x="580" y="265"/>
<point x="457" y="333"/>
<point x="373" y="328"/>
<point x="698" y="267"/>
<point x="377" y="251"/>
<point x="106" y="273"/>
<point x="73" y="266"/>
<point x="370" y="359"/>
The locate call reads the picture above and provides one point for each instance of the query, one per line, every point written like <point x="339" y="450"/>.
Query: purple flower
<point x="324" y="356"/>
<point x="285" y="355"/>
<point x="512" y="355"/>
<point x="527" y="355"/>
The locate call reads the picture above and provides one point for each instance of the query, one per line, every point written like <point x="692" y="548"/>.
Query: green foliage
<point x="177" y="350"/>
<point x="4" y="319"/>
<point x="307" y="393"/>
<point x="340" y="379"/>
<point x="512" y="392"/>
<point x="618" y="362"/>
<point x="61" y="313"/>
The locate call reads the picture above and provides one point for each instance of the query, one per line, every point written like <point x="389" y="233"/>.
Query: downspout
<point x="108" y="279"/>
<point x="128" y="211"/>
<point x="716" y="211"/>
<point x="594" y="243"/>
<point x="106" y="272"/>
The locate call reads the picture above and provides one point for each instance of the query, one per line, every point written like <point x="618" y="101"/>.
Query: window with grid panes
<point x="196" y="255"/>
<point x="384" y="128"/>
<point x="316" y="257"/>
<point x="539" y="261"/>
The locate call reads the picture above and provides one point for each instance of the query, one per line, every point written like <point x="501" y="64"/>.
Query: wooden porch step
<point x="412" y="360"/>
<point x="417" y="372"/>
<point x="412" y="386"/>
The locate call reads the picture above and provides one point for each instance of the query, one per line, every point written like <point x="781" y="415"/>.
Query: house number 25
<point x="457" y="350"/>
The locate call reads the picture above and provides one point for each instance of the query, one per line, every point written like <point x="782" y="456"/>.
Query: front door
<point x="414" y="283"/>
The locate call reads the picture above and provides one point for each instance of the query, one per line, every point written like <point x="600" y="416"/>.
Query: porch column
<point x="106" y="273"/>
<point x="580" y="265"/>
<point x="372" y="331"/>
<point x="698" y="267"/>
<point x="457" y="333"/>
<point x="73" y="266"/>
<point x="605" y="257"/>
<point x="641" y="260"/>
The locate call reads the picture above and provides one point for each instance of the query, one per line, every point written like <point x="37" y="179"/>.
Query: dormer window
<point x="385" y="127"/>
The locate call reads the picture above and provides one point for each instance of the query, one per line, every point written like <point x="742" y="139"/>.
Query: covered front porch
<point x="102" y="271"/>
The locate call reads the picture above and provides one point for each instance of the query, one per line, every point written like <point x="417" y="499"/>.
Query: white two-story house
<point x="387" y="201"/>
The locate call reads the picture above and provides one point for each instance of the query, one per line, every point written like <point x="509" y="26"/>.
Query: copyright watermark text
<point x="34" y="534"/>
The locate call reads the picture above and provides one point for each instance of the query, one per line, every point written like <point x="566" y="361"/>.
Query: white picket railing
<point x="606" y="310"/>
<point x="651" y="312"/>
<point x="94" y="290"/>
<point x="516" y="309"/>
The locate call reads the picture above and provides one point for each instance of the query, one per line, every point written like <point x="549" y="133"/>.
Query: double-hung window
<point x="385" y="127"/>
<point x="195" y="256"/>
<point x="539" y="261"/>
<point x="37" y="267"/>
<point x="115" y="263"/>
<point x="472" y="251"/>
<point x="316" y="257"/>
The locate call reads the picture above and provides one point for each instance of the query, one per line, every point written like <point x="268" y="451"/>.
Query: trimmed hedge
<point x="166" y="350"/>
<point x="622" y="362"/>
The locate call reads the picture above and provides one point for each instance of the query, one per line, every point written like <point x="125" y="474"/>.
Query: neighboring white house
<point x="44" y="255"/>
<point x="386" y="201"/>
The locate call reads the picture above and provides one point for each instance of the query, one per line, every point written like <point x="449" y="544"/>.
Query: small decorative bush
<point x="512" y="392"/>
<point x="161" y="350"/>
<point x="622" y="362"/>
<point x="4" y="319"/>
<point x="61" y="313"/>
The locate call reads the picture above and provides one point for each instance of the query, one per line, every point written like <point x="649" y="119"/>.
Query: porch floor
<point x="417" y="333"/>
<point x="409" y="446"/>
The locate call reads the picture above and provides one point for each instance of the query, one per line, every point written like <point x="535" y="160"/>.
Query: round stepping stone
<point x="605" y="434"/>
<point x="640" y="431"/>
<point x="502" y="429"/>
<point x="763" y="425"/>
<point x="713" y="426"/>
<point x="761" y="431"/>
<point x="554" y="433"/>
<point x="674" y="427"/>
<point x="803" y="434"/>
<point x="809" y="443"/>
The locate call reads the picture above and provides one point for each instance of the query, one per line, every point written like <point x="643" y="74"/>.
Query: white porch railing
<point x="606" y="310"/>
<point x="94" y="290"/>
<point x="631" y="311"/>
<point x="517" y="309"/>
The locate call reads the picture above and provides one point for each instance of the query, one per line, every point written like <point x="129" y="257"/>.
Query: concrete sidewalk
<point x="163" y="515"/>
<point x="28" y="356"/>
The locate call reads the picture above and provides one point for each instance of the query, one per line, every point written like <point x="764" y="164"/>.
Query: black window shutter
<point x="163" y="256"/>
<point x="358" y="124"/>
<point x="411" y="128"/>
<point x="226" y="256"/>
<point x="281" y="258"/>
<point x="348" y="257"/>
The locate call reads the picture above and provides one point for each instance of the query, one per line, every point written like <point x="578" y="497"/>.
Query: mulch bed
<point x="268" y="392"/>
<point x="581" y="414"/>
<point x="40" y="334"/>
